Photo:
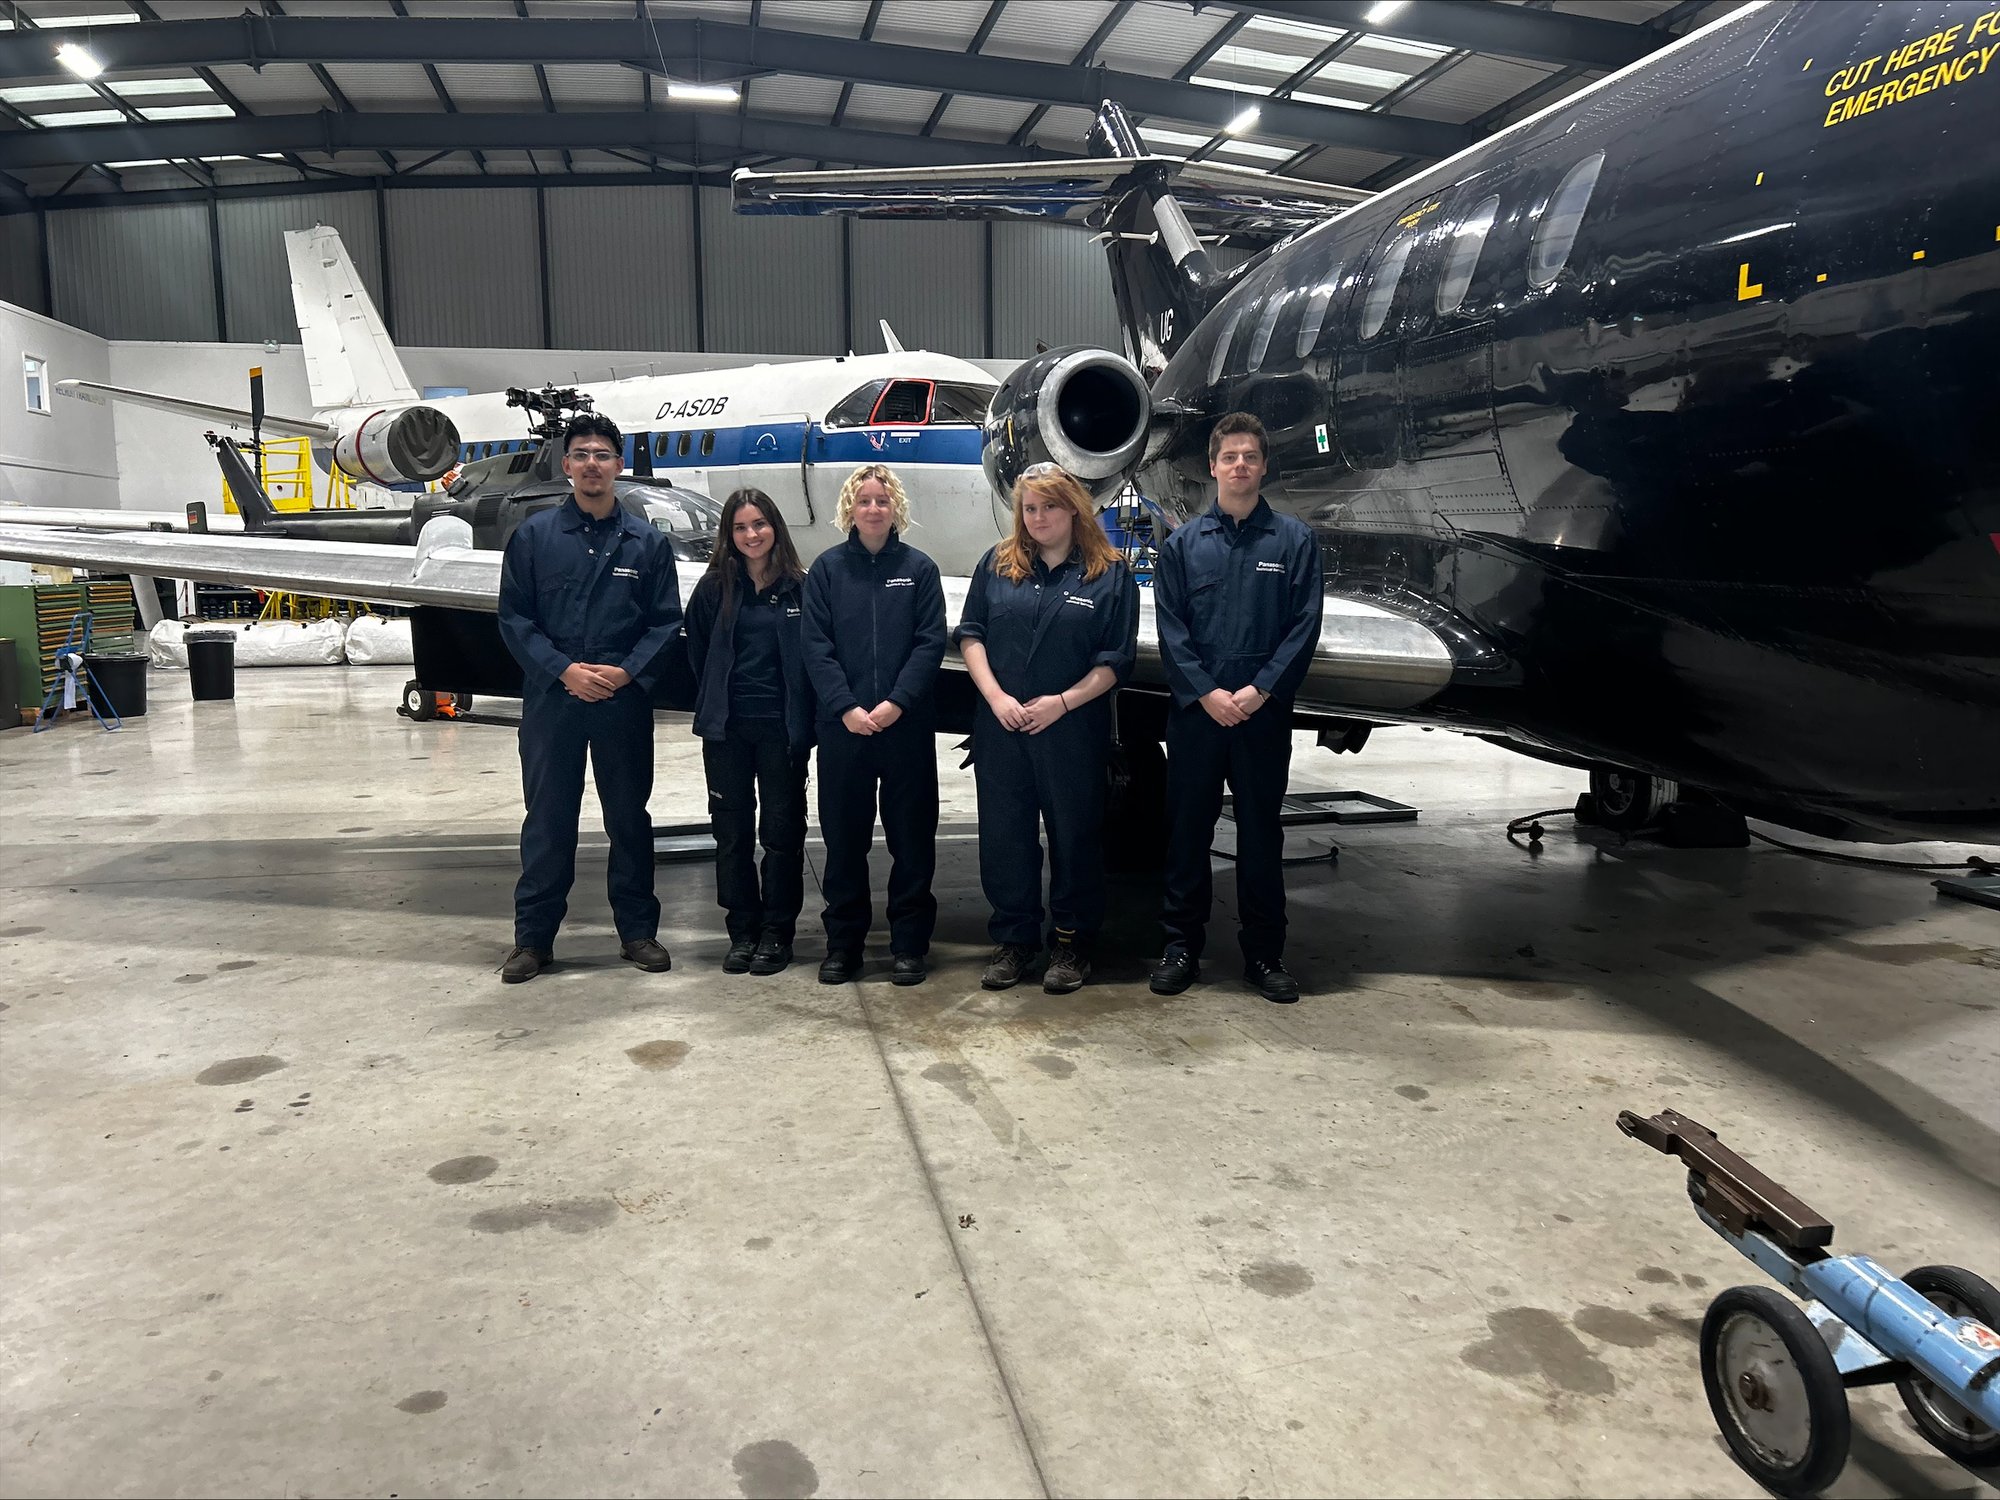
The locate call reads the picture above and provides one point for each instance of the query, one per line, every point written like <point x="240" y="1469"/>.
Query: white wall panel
<point x="134" y="273"/>
<point x="257" y="278"/>
<point x="927" y="279"/>
<point x="771" y="283"/>
<point x="1053" y="285"/>
<point x="67" y="455"/>
<point x="621" y="267"/>
<point x="21" y="262"/>
<point x="465" y="267"/>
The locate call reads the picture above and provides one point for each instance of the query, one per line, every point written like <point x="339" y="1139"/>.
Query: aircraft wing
<point x="1216" y="196"/>
<point x="206" y="411"/>
<point x="1367" y="657"/>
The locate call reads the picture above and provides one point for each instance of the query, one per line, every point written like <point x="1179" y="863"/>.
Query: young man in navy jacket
<point x="588" y="602"/>
<point x="1237" y="598"/>
<point x="874" y="640"/>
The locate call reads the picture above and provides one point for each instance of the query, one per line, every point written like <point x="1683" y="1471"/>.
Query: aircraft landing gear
<point x="423" y="705"/>
<point x="1630" y="802"/>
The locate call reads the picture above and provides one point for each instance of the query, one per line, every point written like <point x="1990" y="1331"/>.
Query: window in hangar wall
<point x="35" y="382"/>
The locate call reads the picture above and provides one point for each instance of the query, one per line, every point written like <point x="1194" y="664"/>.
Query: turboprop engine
<point x="408" y="445"/>
<point x="1085" y="409"/>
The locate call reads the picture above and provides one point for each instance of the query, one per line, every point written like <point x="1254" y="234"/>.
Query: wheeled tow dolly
<point x="1777" y="1374"/>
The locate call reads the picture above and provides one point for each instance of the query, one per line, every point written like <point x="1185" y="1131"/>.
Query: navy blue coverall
<point x="1237" y="605"/>
<point x="874" y="633"/>
<point x="1042" y="635"/>
<point x="577" y="589"/>
<point x="755" y="738"/>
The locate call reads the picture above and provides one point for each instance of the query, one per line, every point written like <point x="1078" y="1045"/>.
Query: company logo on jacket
<point x="624" y="572"/>
<point x="899" y="583"/>
<point x="1270" y="567"/>
<point x="1079" y="599"/>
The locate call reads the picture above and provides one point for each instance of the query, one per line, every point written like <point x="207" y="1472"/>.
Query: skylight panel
<point x="1321" y="37"/>
<point x="1366" y="78"/>
<point x="1257" y="59"/>
<point x="80" y="117"/>
<point x="146" y="88"/>
<point x="107" y="18"/>
<point x="48" y="93"/>
<point x="1257" y="149"/>
<point x="1332" y="101"/>
<point x="1425" y="51"/>
<point x="1182" y="138"/>
<point x="1232" y="86"/>
<point x="189" y="112"/>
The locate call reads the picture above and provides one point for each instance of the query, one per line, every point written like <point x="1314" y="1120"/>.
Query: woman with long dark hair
<point x="754" y="713"/>
<point x="1049" y="631"/>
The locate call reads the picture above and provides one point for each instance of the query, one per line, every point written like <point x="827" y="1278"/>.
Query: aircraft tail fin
<point x="1151" y="213"/>
<point x="350" y="360"/>
<point x="251" y="500"/>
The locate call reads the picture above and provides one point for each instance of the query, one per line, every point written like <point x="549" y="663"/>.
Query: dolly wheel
<point x="418" y="702"/>
<point x="1947" y="1426"/>
<point x="462" y="702"/>
<point x="1775" y="1391"/>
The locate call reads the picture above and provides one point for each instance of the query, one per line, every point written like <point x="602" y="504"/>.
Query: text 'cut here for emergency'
<point x="1947" y="57"/>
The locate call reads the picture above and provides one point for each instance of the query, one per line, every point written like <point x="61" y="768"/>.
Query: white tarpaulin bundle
<point x="279" y="643"/>
<point x="375" y="642"/>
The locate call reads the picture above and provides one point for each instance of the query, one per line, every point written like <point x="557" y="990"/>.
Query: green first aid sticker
<point x="1319" y="437"/>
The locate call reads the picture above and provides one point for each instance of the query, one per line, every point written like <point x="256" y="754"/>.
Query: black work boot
<point x="523" y="964"/>
<point x="773" y="955"/>
<point x="1175" y="972"/>
<point x="1067" y="970"/>
<point x="647" y="954"/>
<point x="1011" y="963"/>
<point x="738" y="959"/>
<point x="908" y="969"/>
<point x="840" y="967"/>
<point x="1269" y="979"/>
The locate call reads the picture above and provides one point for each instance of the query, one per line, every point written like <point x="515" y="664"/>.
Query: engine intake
<point x="1085" y="409"/>
<point x="411" y="445"/>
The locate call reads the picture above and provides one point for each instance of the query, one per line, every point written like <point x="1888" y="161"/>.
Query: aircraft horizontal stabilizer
<point x="205" y="411"/>
<point x="1215" y="196"/>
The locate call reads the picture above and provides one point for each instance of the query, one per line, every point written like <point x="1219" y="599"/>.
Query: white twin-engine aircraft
<point x="794" y="430"/>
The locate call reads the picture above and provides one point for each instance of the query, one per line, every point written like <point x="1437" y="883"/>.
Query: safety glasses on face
<point x="593" y="455"/>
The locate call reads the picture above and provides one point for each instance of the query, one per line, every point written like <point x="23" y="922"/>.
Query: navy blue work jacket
<point x="1045" y="632"/>
<point x="712" y="654"/>
<point x="573" y="588"/>
<point x="874" y="630"/>
<point x="1238" y="604"/>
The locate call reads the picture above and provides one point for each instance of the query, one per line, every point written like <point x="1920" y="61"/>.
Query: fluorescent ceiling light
<point x="1332" y="101"/>
<point x="78" y="61"/>
<point x="108" y="18"/>
<point x="703" y="93"/>
<point x="1381" y="10"/>
<point x="1244" y="121"/>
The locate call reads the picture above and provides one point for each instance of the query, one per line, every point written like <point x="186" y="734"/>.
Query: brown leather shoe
<point x="1067" y="970"/>
<point x="523" y="964"/>
<point x="648" y="955"/>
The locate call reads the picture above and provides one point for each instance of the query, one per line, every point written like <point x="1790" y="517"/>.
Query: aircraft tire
<point x="1627" y="801"/>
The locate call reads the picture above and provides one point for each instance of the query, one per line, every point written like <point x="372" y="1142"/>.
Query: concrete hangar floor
<point x="299" y="1199"/>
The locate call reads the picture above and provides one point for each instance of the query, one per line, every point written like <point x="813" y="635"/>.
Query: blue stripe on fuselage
<point x="782" y="442"/>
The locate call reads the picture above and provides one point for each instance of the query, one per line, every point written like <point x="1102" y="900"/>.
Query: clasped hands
<point x="874" y="720"/>
<point x="1228" y="708"/>
<point x="593" y="683"/>
<point x="1031" y="717"/>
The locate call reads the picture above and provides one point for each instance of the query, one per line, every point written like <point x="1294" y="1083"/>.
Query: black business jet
<point x="1672" y="411"/>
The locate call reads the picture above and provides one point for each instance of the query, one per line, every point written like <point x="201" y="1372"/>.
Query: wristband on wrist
<point x="1063" y="698"/>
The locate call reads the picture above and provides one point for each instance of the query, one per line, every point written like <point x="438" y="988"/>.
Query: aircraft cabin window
<point x="1260" y="341"/>
<point x="1556" y="234"/>
<point x="961" y="402"/>
<point x="707" y="444"/>
<point x="681" y="447"/>
<point x="1315" y="314"/>
<point x="905" y="401"/>
<point x="1462" y="255"/>
<point x="854" y="409"/>
<point x="1220" y="357"/>
<point x="660" y="442"/>
<point x="1382" y="288"/>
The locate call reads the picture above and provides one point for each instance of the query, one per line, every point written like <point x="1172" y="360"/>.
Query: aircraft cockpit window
<point x="1382" y="288"/>
<point x="1315" y="314"/>
<point x="681" y="447"/>
<point x="1556" y="234"/>
<point x="1222" y="342"/>
<point x="1462" y="255"/>
<point x="905" y="402"/>
<point x="854" y="410"/>
<point x="1260" y="341"/>
<point x="707" y="444"/>
<point x="961" y="402"/>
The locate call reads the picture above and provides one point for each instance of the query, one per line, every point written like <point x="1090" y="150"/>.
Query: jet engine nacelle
<point x="1085" y="409"/>
<point x="407" y="445"/>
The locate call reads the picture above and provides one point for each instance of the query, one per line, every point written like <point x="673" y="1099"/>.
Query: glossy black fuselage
<point x="1721" y="501"/>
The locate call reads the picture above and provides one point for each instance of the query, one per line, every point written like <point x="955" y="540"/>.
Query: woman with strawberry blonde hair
<point x="1049" y="630"/>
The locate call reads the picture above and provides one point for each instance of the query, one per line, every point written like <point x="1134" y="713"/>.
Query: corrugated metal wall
<point x="256" y="279"/>
<point x="465" y="268"/>
<point x="621" y="268"/>
<point x="1051" y="285"/>
<point x="21" y="262"/>
<point x="928" y="280"/>
<point x="134" y="273"/>
<point x="769" y="285"/>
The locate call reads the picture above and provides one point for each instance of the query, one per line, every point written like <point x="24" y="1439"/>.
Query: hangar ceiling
<point x="208" y="98"/>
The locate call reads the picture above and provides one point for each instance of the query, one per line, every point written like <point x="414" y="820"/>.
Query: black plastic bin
<point x="10" y="686"/>
<point x="212" y="664"/>
<point x="117" y="682"/>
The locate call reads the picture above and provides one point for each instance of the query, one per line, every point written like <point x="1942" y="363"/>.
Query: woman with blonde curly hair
<point x="1050" y="629"/>
<point x="874" y="640"/>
